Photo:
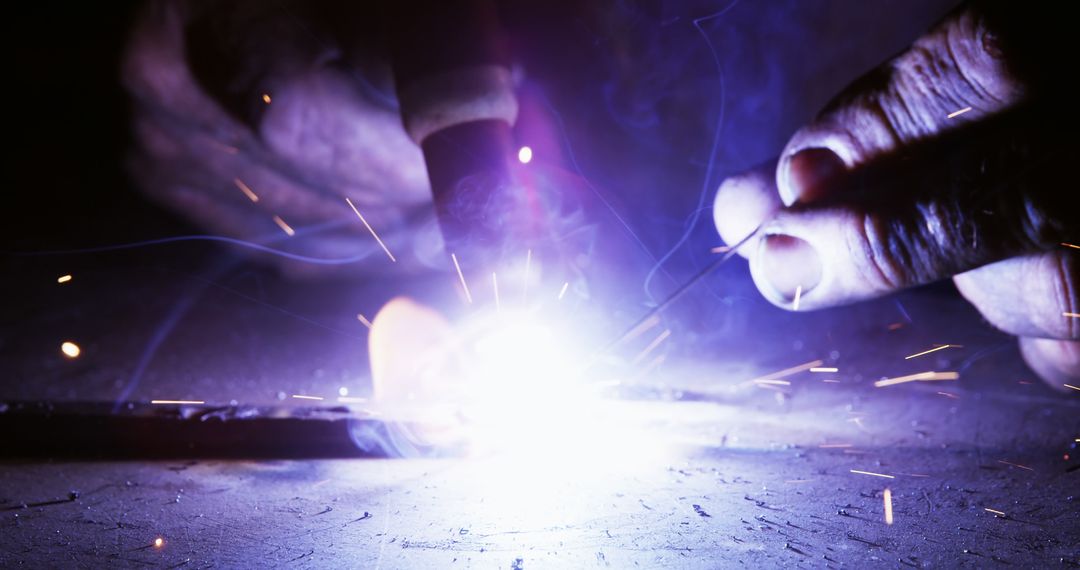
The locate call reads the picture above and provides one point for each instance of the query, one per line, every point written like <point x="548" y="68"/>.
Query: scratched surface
<point x="750" y="485"/>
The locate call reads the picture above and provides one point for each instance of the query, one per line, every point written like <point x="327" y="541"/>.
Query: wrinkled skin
<point x="884" y="190"/>
<point x="198" y="71"/>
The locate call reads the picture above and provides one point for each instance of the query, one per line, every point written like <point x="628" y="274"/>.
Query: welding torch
<point x="452" y="72"/>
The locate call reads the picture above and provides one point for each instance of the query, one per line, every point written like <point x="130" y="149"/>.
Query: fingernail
<point x="790" y="265"/>
<point x="810" y="173"/>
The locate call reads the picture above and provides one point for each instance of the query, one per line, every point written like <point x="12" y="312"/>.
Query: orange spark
<point x="468" y="296"/>
<point x="246" y="190"/>
<point x="872" y="473"/>
<point x="70" y="349"/>
<point x="63" y="278"/>
<point x="788" y="371"/>
<point x="1074" y="246"/>
<point x="1015" y="464"/>
<point x="159" y="542"/>
<point x="373" y="234"/>
<point x="995" y="511"/>
<point x="920" y="377"/>
<point x="937" y="348"/>
<point x="165" y="402"/>
<point x="284" y="227"/>
<point x="958" y="113"/>
<point x="266" y="98"/>
<point x="1071" y="315"/>
<point x="887" y="496"/>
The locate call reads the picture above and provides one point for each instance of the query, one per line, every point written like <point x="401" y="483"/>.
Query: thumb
<point x="987" y="192"/>
<point x="984" y="58"/>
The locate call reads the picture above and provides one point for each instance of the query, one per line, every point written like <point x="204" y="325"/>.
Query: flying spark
<point x="798" y="296"/>
<point x="788" y="371"/>
<point x="562" y="292"/>
<point x="760" y="382"/>
<point x="360" y="317"/>
<point x="1015" y="464"/>
<point x="369" y="228"/>
<point x="70" y="349"/>
<point x="1070" y="386"/>
<point x="887" y="495"/>
<point x="175" y="402"/>
<point x="935" y="349"/>
<point x="721" y="249"/>
<point x="920" y="377"/>
<point x="63" y="278"/>
<point x="896" y="326"/>
<point x="1071" y="315"/>
<point x="284" y="227"/>
<point x="824" y="369"/>
<point x="958" y="113"/>
<point x="872" y="473"/>
<point x="996" y="512"/>
<point x="652" y="346"/>
<point x="266" y="98"/>
<point x="1074" y="246"/>
<point x="301" y="397"/>
<point x="525" y="155"/>
<point x="246" y="190"/>
<point x="468" y="296"/>
<point x="834" y="445"/>
<point x="495" y="287"/>
<point x="831" y="381"/>
<point x="159" y="542"/>
<point x="949" y="395"/>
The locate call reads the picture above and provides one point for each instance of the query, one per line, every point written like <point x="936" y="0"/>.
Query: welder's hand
<point x="951" y="160"/>
<point x="328" y="127"/>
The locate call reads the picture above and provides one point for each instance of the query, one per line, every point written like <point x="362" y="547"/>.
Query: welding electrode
<point x="452" y="70"/>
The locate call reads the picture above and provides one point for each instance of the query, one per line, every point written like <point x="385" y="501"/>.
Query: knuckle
<point x="1062" y="299"/>
<point x="873" y="250"/>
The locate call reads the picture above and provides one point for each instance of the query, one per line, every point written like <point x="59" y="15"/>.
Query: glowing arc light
<point x="63" y="278"/>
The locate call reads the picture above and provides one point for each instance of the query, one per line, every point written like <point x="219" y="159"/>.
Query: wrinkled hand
<point x="893" y="186"/>
<point x="329" y="127"/>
